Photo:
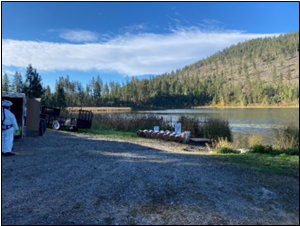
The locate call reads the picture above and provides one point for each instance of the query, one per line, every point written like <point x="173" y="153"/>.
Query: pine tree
<point x="33" y="84"/>
<point x="5" y="83"/>
<point x="97" y="93"/>
<point x="60" y="95"/>
<point x="47" y="97"/>
<point x="106" y="90"/>
<point x="274" y="74"/>
<point x="17" y="84"/>
<point x="288" y="74"/>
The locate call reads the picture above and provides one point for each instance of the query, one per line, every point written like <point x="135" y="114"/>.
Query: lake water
<point x="259" y="121"/>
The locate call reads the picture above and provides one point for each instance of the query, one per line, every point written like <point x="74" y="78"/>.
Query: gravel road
<point x="65" y="178"/>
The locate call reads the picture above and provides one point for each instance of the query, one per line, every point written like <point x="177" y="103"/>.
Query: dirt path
<point x="66" y="178"/>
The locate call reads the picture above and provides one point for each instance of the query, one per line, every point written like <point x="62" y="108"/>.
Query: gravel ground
<point x="66" y="178"/>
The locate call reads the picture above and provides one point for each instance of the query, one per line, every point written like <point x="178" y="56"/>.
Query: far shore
<point x="260" y="106"/>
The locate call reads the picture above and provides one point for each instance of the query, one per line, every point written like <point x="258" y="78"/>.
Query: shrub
<point x="215" y="128"/>
<point x="222" y="145"/>
<point x="290" y="151"/>
<point x="191" y="124"/>
<point x="287" y="137"/>
<point x="268" y="149"/>
<point x="255" y="140"/>
<point x="261" y="149"/>
<point x="227" y="150"/>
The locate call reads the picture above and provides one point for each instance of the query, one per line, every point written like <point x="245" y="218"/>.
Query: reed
<point x="122" y="123"/>
<point x="191" y="124"/>
<point x="215" y="128"/>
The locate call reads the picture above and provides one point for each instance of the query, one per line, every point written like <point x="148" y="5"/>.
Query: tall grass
<point x="222" y="145"/>
<point x="287" y="137"/>
<point x="215" y="128"/>
<point x="212" y="128"/>
<point x="128" y="124"/>
<point x="191" y="124"/>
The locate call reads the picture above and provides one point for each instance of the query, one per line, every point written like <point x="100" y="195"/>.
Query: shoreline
<point x="241" y="107"/>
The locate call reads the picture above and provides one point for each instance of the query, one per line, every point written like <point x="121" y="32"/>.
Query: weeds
<point x="129" y="124"/>
<point x="262" y="149"/>
<point x="287" y="137"/>
<point x="222" y="145"/>
<point x="191" y="124"/>
<point x="228" y="150"/>
<point x="268" y="149"/>
<point x="215" y="128"/>
<point x="255" y="140"/>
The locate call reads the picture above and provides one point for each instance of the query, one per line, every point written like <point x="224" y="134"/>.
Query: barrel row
<point x="166" y="135"/>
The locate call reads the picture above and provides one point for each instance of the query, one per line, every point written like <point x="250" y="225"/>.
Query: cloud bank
<point x="129" y="54"/>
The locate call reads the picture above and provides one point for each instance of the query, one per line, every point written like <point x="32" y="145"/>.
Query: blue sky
<point x="119" y="39"/>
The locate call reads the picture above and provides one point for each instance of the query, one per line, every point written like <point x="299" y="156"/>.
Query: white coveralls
<point x="8" y="135"/>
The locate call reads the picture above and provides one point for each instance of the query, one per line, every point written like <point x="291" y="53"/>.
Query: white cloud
<point x="129" y="54"/>
<point x="79" y="36"/>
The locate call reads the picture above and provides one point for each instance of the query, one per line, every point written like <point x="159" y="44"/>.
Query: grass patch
<point x="279" y="164"/>
<point x="228" y="150"/>
<point x="268" y="149"/>
<point x="110" y="133"/>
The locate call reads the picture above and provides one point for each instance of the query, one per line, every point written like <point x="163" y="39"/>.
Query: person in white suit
<point x="8" y="126"/>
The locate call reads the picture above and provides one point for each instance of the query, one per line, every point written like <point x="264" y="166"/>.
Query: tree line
<point x="260" y="71"/>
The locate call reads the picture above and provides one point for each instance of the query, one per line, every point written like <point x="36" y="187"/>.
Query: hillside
<point x="259" y="55"/>
<point x="266" y="70"/>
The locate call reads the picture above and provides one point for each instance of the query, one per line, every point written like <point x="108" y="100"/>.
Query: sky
<point x="116" y="40"/>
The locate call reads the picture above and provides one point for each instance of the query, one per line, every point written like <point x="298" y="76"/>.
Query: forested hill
<point x="263" y="71"/>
